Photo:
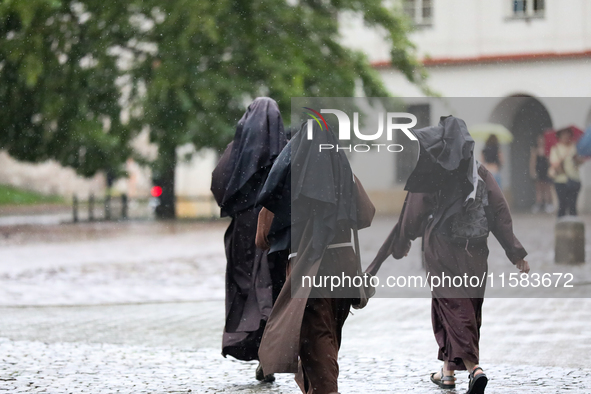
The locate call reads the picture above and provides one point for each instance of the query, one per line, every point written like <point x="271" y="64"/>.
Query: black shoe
<point x="261" y="377"/>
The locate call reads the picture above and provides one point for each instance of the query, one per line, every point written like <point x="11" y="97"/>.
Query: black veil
<point x="446" y="159"/>
<point x="259" y="139"/>
<point x="446" y="166"/>
<point x="321" y="187"/>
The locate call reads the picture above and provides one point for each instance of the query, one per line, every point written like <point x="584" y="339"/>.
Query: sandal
<point x="441" y="382"/>
<point x="477" y="383"/>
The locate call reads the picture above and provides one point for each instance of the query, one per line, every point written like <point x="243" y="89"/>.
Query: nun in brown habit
<point x="444" y="184"/>
<point x="324" y="203"/>
<point x="253" y="278"/>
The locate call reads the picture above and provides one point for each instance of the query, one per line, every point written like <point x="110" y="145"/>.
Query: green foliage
<point x="193" y="66"/>
<point x="58" y="96"/>
<point x="13" y="196"/>
<point x="210" y="58"/>
<point x="213" y="57"/>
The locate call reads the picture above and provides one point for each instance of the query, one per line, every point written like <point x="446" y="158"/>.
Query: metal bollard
<point x="108" y="207"/>
<point x="124" y="206"/>
<point x="91" y="208"/>
<point x="75" y="208"/>
<point x="569" y="247"/>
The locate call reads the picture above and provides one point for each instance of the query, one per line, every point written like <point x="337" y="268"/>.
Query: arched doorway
<point x="526" y="117"/>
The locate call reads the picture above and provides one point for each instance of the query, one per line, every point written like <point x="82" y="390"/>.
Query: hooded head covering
<point x="258" y="141"/>
<point x="446" y="166"/>
<point x="446" y="159"/>
<point x="322" y="187"/>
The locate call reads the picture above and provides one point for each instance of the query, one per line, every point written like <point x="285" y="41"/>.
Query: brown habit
<point x="310" y="328"/>
<point x="456" y="321"/>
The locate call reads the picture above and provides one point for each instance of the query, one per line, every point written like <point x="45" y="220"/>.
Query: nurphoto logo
<point x="344" y="130"/>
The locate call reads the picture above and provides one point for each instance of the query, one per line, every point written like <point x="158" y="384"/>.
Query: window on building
<point x="419" y="11"/>
<point x="407" y="159"/>
<point x="528" y="8"/>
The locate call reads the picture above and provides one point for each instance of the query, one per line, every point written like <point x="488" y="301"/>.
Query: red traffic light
<point x="156" y="191"/>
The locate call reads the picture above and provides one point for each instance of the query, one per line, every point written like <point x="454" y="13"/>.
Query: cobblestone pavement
<point x="105" y="368"/>
<point x="141" y="310"/>
<point x="101" y="263"/>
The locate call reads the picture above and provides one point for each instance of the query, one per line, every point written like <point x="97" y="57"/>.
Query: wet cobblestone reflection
<point x="93" y="368"/>
<point x="143" y="313"/>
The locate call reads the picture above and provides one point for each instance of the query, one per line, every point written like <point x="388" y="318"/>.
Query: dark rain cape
<point x="276" y="197"/>
<point x="326" y="203"/>
<point x="250" y="273"/>
<point x="446" y="164"/>
<point x="446" y="167"/>
<point x="322" y="191"/>
<point x="448" y="150"/>
<point x="243" y="168"/>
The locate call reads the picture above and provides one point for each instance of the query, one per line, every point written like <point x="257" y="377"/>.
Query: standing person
<point x="250" y="273"/>
<point x="538" y="168"/>
<point x="564" y="169"/>
<point x="326" y="203"/>
<point x="453" y="202"/>
<point x="492" y="157"/>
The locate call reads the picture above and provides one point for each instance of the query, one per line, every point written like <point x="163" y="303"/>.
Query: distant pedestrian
<point x="564" y="170"/>
<point x="303" y="334"/>
<point x="453" y="202"/>
<point x="539" y="164"/>
<point x="492" y="158"/>
<point x="252" y="277"/>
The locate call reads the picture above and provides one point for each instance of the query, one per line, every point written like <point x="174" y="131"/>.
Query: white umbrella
<point x="482" y="131"/>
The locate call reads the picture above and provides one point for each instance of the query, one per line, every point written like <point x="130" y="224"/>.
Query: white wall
<point x="193" y="177"/>
<point x="562" y="86"/>
<point x="550" y="78"/>
<point x="469" y="28"/>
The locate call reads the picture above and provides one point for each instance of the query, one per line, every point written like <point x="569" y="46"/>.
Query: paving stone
<point x="147" y="318"/>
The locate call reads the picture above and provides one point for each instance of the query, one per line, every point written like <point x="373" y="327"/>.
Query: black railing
<point x="121" y="207"/>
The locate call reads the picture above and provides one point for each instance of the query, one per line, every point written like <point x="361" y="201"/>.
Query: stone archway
<point x="526" y="117"/>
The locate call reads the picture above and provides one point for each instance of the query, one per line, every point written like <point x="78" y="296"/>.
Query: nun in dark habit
<point x="445" y="183"/>
<point x="325" y="201"/>
<point x="253" y="278"/>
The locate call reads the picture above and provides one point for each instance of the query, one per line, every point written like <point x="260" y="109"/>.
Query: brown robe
<point x="456" y="321"/>
<point x="309" y="328"/>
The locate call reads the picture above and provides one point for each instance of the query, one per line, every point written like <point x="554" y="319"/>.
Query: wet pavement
<point x="136" y="308"/>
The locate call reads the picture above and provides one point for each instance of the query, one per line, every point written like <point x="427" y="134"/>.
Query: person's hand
<point x="263" y="226"/>
<point x="400" y="252"/>
<point x="522" y="266"/>
<point x="261" y="241"/>
<point x="407" y="248"/>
